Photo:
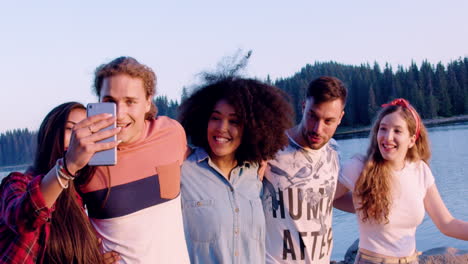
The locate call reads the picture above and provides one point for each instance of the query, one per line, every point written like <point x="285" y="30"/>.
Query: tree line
<point x="17" y="147"/>
<point x="434" y="90"/>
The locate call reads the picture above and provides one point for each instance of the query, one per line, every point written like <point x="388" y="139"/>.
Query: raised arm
<point x="82" y="146"/>
<point x="442" y="217"/>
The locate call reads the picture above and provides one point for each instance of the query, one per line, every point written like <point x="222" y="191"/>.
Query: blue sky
<point x="49" y="49"/>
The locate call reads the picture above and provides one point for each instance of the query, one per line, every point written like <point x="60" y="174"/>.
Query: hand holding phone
<point x="109" y="156"/>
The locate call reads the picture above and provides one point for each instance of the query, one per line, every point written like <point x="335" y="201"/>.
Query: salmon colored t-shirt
<point x="135" y="205"/>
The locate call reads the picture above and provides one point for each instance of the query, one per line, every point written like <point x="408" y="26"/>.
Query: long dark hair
<point x="72" y="238"/>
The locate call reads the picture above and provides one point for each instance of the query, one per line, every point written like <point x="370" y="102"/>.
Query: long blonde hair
<point x="373" y="187"/>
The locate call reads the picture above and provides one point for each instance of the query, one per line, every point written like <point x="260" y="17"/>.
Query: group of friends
<point x="231" y="181"/>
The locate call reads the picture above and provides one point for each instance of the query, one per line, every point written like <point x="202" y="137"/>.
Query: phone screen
<point x="109" y="156"/>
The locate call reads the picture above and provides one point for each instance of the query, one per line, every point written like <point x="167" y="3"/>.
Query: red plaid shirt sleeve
<point x="25" y="219"/>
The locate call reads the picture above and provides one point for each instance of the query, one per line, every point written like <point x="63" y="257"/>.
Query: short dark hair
<point x="326" y="88"/>
<point x="131" y="67"/>
<point x="263" y="110"/>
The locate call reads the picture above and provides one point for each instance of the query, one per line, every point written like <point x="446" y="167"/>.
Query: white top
<point x="139" y="237"/>
<point x="299" y="186"/>
<point x="397" y="238"/>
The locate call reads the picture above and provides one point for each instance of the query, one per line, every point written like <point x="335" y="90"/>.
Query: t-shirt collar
<point x="294" y="143"/>
<point x="201" y="155"/>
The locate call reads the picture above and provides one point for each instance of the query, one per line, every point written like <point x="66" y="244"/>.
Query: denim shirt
<point x="223" y="219"/>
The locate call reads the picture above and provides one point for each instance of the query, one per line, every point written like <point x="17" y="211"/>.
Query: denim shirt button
<point x="199" y="203"/>
<point x="236" y="210"/>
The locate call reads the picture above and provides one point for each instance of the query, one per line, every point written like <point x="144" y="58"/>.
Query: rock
<point x="441" y="255"/>
<point x="444" y="250"/>
<point x="444" y="255"/>
<point x="351" y="253"/>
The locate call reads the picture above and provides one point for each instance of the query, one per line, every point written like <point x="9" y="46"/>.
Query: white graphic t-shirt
<point x="299" y="187"/>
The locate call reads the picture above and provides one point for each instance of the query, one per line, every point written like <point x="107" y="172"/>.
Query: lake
<point x="449" y="145"/>
<point x="5" y="170"/>
<point x="449" y="166"/>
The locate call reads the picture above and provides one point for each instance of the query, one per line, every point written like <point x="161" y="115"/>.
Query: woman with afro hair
<point x="234" y="124"/>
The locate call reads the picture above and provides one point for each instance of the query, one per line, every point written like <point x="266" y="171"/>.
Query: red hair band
<point x="404" y="103"/>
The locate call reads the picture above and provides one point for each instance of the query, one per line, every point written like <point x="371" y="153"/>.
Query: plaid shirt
<point x="25" y="219"/>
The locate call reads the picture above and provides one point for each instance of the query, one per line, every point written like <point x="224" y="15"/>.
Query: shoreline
<point x="348" y="132"/>
<point x="9" y="167"/>
<point x="351" y="132"/>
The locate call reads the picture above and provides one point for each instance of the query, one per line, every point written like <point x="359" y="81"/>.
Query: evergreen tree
<point x="430" y="107"/>
<point x="184" y="94"/>
<point x="458" y="100"/>
<point x="441" y="92"/>
<point x="17" y="147"/>
<point x="166" y="107"/>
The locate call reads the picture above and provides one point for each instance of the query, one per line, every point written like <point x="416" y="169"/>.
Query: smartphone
<point x="109" y="156"/>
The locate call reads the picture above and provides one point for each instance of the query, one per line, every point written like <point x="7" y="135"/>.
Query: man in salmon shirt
<point x="135" y="205"/>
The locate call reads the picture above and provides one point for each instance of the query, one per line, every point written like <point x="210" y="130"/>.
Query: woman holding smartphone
<point x="235" y="124"/>
<point x="42" y="216"/>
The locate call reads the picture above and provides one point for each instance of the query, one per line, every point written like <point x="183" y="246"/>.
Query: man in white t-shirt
<point x="300" y="183"/>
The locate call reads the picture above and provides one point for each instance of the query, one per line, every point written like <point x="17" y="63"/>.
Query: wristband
<point x="58" y="176"/>
<point x="62" y="171"/>
<point x="66" y="167"/>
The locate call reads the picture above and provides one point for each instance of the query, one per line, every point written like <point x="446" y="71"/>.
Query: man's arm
<point x="343" y="199"/>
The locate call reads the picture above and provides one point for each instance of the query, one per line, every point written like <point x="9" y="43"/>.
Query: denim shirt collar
<point x="202" y="155"/>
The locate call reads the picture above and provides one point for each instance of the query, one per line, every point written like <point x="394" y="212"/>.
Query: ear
<point x="148" y="104"/>
<point x="412" y="141"/>
<point x="341" y="117"/>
